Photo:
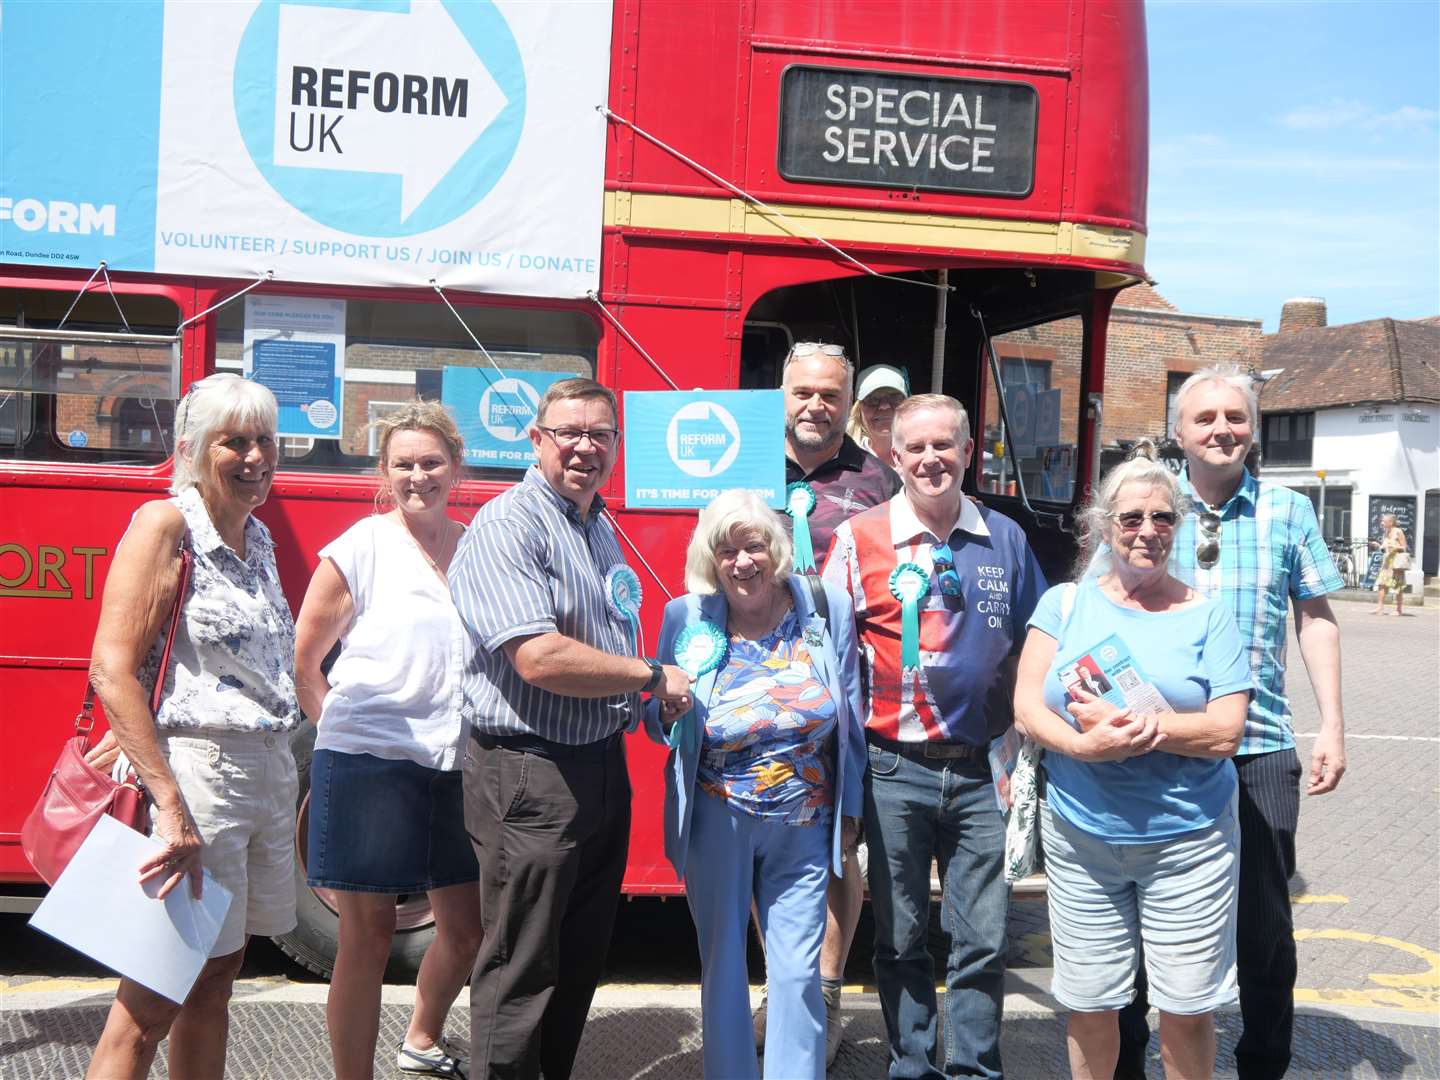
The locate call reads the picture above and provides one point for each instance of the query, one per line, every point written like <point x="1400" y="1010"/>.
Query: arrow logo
<point x="703" y="439"/>
<point x="507" y="407"/>
<point x="380" y="92"/>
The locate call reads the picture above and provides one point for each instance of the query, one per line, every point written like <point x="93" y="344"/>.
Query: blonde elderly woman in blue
<point x="1136" y="686"/>
<point x="763" y="783"/>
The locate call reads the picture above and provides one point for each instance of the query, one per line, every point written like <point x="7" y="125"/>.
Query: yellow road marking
<point x="1326" y="898"/>
<point x="1417" y="990"/>
<point x="50" y="986"/>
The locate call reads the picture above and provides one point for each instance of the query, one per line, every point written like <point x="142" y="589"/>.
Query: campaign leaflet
<point x="1110" y="672"/>
<point x="1107" y="671"/>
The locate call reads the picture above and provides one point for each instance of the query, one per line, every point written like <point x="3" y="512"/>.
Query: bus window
<point x="1040" y="366"/>
<point x="396" y="351"/>
<point x="92" y="391"/>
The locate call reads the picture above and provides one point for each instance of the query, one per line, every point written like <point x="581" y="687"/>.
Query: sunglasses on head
<point x="946" y="576"/>
<point x="810" y="348"/>
<point x="1207" y="546"/>
<point x="1131" y="520"/>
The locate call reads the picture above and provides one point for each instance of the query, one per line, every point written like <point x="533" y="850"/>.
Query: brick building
<point x="1152" y="348"/>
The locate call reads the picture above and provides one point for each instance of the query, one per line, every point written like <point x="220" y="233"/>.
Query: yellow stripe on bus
<point x="693" y="213"/>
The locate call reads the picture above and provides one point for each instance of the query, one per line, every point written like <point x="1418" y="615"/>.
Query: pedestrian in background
<point x="1139" y="822"/>
<point x="550" y="683"/>
<point x="842" y="480"/>
<point x="387" y="813"/>
<point x="763" y="786"/>
<point x="1391" y="576"/>
<point x="879" y="390"/>
<point x="1257" y="548"/>
<point x="941" y="588"/>
<point x="216" y="757"/>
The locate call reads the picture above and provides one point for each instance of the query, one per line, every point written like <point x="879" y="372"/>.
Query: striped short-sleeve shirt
<point x="1271" y="550"/>
<point x="529" y="565"/>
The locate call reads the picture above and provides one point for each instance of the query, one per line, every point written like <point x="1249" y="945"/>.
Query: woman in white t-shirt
<point x="386" y="808"/>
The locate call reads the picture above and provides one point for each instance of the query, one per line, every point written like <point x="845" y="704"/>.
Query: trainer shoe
<point x="757" y="1019"/>
<point x="445" y="1058"/>
<point x="834" y="1024"/>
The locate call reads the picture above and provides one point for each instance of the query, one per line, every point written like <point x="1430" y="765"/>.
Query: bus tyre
<point x="316" y="937"/>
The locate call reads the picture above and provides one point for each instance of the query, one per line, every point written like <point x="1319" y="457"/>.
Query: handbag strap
<point x="85" y="719"/>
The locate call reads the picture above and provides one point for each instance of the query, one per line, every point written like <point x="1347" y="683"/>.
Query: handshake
<point x="673" y="691"/>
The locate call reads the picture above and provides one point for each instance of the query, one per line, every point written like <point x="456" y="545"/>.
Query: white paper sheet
<point x="99" y="908"/>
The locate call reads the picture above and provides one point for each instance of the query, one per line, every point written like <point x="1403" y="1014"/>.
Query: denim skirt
<point x="385" y="826"/>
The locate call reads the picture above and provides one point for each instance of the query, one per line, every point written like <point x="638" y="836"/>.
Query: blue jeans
<point x="915" y="809"/>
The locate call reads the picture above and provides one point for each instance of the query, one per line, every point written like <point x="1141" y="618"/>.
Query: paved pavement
<point x="1367" y="899"/>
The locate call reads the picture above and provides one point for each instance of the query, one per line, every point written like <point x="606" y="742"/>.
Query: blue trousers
<point x="732" y="857"/>
<point x="916" y="809"/>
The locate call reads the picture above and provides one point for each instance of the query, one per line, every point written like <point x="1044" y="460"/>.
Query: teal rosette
<point x="623" y="596"/>
<point x="699" y="649"/>
<point x="799" y="502"/>
<point x="908" y="584"/>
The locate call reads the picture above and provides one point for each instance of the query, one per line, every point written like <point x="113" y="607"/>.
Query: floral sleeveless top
<point x="232" y="666"/>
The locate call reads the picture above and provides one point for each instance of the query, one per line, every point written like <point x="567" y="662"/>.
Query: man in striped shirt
<point x="1259" y="547"/>
<point x="549" y="684"/>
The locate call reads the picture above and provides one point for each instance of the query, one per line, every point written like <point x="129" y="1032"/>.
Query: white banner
<point x="382" y="143"/>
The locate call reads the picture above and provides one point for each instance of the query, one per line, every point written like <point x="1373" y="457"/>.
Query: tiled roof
<point x="1142" y="296"/>
<point x="1382" y="360"/>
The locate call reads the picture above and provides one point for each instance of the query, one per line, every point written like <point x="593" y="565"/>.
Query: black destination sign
<point x="885" y="129"/>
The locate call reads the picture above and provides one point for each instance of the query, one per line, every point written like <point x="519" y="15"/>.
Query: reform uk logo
<point x="387" y="118"/>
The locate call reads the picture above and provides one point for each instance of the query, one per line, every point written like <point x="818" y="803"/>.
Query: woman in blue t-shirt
<point x="1140" y="833"/>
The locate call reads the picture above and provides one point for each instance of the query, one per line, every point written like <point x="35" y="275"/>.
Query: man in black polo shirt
<point x="817" y="384"/>
<point x="846" y="480"/>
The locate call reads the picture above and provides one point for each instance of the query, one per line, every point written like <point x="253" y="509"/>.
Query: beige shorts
<point x="241" y="791"/>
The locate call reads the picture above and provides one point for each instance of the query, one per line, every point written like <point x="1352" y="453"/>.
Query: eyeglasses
<point x="1132" y="520"/>
<point x="1207" y="548"/>
<point x="810" y="348"/>
<point x="600" y="438"/>
<point x="883" y="399"/>
<point x="945" y="573"/>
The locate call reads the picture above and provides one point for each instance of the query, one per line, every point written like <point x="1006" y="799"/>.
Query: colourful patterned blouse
<point x="770" y="737"/>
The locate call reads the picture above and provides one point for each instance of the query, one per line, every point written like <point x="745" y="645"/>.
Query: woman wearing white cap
<point x="878" y="392"/>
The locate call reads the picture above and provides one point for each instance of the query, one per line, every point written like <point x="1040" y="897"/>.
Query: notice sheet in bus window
<point x="1040" y="366"/>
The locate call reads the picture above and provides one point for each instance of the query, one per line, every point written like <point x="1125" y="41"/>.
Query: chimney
<point x="1302" y="313"/>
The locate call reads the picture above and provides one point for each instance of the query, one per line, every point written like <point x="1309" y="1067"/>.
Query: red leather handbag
<point x="77" y="794"/>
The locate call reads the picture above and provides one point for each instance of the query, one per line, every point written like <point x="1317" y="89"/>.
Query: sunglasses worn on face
<point x="1131" y="520"/>
<point x="945" y="573"/>
<point x="1207" y="547"/>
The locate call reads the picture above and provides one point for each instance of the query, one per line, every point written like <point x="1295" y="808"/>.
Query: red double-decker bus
<point x="955" y="189"/>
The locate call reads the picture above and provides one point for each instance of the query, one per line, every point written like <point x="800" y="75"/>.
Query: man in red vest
<point x="943" y="588"/>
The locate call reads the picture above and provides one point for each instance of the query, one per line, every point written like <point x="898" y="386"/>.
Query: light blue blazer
<point x="836" y="663"/>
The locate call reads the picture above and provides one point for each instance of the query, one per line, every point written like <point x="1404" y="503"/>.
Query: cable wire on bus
<point x="471" y="334"/>
<point x="615" y="322"/>
<point x="793" y="225"/>
<point x="101" y="269"/>
<point x="635" y="548"/>
<point x="268" y="275"/>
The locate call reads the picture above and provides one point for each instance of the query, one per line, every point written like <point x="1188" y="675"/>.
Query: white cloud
<point x="1341" y="114"/>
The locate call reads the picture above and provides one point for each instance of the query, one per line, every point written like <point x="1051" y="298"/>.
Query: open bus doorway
<point x="1039" y="328"/>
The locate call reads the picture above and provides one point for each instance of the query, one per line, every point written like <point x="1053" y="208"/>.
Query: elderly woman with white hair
<point x="763" y="783"/>
<point x="215" y="757"/>
<point x="1136" y="686"/>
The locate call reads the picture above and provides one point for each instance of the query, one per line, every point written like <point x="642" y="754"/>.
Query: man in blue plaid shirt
<point x="1259" y="547"/>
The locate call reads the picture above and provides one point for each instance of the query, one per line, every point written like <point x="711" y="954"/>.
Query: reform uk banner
<point x="388" y="142"/>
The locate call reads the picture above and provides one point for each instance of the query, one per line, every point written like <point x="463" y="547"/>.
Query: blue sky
<point x="1294" y="151"/>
